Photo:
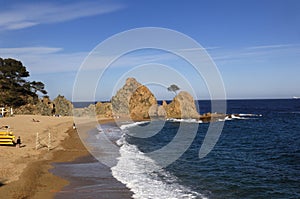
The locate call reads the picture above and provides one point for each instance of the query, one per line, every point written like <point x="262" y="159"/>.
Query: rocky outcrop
<point x="137" y="101"/>
<point x="161" y="112"/>
<point x="157" y="111"/>
<point x="183" y="106"/>
<point x="213" y="117"/>
<point x="59" y="106"/>
<point x="141" y="104"/>
<point x="46" y="107"/>
<point x="134" y="100"/>
<point x="120" y="102"/>
<point x="85" y="112"/>
<point x="42" y="107"/>
<point x="104" y="109"/>
<point x="62" y="106"/>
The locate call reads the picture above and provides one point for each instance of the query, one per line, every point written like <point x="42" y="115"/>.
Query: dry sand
<point x="25" y="162"/>
<point x="24" y="172"/>
<point x="14" y="160"/>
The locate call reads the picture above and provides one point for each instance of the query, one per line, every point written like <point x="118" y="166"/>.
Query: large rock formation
<point x="62" y="106"/>
<point x="120" y="102"/>
<point x="140" y="103"/>
<point x="183" y="106"/>
<point x="158" y="111"/>
<point x="136" y="101"/>
<point x="104" y="109"/>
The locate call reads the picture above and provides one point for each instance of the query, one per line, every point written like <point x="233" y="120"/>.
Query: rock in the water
<point x="153" y="111"/>
<point x="161" y="112"/>
<point x="120" y="102"/>
<point x="183" y="106"/>
<point x="140" y="103"/>
<point x="137" y="101"/>
<point x="213" y="117"/>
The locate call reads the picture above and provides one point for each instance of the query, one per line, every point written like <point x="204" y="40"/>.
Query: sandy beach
<point x="14" y="160"/>
<point x="24" y="172"/>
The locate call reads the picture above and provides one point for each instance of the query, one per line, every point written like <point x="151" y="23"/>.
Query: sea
<point x="257" y="154"/>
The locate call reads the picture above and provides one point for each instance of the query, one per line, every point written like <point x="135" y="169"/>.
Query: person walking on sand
<point x="18" y="144"/>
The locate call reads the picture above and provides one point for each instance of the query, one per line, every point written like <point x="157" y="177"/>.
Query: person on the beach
<point x="18" y="143"/>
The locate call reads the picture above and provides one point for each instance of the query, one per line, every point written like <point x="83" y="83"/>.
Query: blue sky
<point x="255" y="44"/>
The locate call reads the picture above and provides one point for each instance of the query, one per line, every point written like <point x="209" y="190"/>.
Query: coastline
<point x="37" y="181"/>
<point x="87" y="177"/>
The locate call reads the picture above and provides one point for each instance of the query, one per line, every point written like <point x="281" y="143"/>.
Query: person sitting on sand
<point x="18" y="144"/>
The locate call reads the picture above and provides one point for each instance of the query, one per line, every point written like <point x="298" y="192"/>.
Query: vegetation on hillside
<point x="15" y="89"/>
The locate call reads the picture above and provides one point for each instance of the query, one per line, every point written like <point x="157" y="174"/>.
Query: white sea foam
<point x="145" y="178"/>
<point x="243" y="116"/>
<point x="184" y="120"/>
<point x="129" y="125"/>
<point x="249" y="115"/>
<point x="225" y="119"/>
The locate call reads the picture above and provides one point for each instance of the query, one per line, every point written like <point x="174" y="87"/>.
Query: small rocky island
<point x="137" y="102"/>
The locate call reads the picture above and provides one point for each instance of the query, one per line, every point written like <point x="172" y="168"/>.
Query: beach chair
<point x="6" y="136"/>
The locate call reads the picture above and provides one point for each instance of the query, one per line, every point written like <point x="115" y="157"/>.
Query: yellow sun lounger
<point x="7" y="138"/>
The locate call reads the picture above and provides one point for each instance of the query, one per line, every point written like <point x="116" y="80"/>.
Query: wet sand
<point x="89" y="179"/>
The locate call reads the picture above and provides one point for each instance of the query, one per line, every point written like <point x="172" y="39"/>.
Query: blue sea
<point x="256" y="156"/>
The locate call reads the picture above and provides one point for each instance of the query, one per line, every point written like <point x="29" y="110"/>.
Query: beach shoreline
<point x="87" y="176"/>
<point x="36" y="179"/>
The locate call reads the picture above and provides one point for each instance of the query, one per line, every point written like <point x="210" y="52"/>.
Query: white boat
<point x="296" y="97"/>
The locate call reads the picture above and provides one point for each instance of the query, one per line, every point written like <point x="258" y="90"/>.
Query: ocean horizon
<point x="83" y="104"/>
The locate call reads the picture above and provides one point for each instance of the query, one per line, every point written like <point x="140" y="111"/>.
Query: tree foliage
<point x="15" y="90"/>
<point x="173" y="88"/>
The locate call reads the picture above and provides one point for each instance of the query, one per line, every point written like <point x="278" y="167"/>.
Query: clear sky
<point x="254" y="43"/>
